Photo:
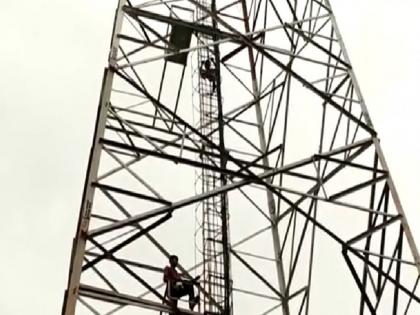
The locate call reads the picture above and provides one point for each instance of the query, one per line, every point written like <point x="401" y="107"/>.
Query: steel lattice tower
<point x="262" y="172"/>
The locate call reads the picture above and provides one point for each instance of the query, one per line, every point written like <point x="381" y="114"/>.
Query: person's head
<point x="207" y="64"/>
<point x="173" y="260"/>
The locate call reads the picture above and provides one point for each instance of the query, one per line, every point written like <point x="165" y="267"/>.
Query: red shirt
<point x="170" y="274"/>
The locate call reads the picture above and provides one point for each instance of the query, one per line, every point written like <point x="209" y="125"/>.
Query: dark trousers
<point x="182" y="290"/>
<point x="209" y="75"/>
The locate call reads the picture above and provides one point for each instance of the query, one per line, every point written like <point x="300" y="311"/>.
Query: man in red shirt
<point x="177" y="286"/>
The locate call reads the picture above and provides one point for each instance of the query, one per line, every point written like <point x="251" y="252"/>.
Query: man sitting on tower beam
<point x="177" y="286"/>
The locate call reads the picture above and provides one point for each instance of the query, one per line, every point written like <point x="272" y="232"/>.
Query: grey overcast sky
<point x="52" y="57"/>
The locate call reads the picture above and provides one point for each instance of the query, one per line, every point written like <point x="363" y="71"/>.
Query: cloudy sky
<point x="52" y="58"/>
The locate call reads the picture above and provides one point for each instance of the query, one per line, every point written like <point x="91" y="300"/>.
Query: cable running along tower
<point x="233" y="134"/>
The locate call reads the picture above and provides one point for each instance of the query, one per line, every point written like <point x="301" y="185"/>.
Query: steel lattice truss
<point x="315" y="223"/>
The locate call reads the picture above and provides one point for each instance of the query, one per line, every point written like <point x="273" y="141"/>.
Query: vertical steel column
<point x="224" y="212"/>
<point x="79" y="242"/>
<point x="263" y="146"/>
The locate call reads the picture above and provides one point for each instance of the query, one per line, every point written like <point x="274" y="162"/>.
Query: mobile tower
<point x="234" y="134"/>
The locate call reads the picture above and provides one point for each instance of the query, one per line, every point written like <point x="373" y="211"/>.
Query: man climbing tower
<point x="208" y="71"/>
